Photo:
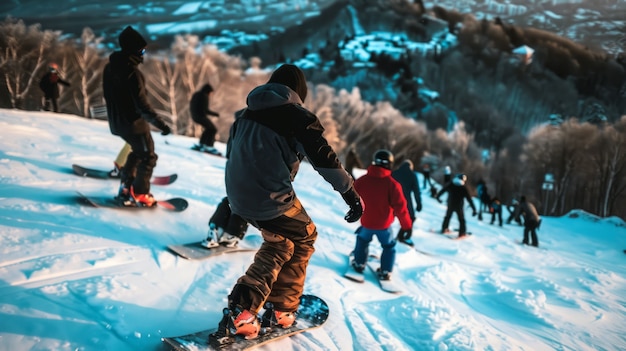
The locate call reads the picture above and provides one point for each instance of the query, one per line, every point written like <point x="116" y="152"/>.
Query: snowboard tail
<point x="177" y="204"/>
<point x="312" y="313"/>
<point x="101" y="174"/>
<point x="195" y="251"/>
<point x="390" y="286"/>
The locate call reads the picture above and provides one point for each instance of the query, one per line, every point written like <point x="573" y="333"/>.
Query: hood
<point x="407" y="165"/>
<point x="271" y="95"/>
<point x="131" y="41"/>
<point x="378" y="171"/>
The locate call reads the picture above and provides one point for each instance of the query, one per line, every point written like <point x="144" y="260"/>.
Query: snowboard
<point x="312" y="313"/>
<point x="351" y="274"/>
<point x="373" y="263"/>
<point x="176" y="204"/>
<point x="101" y="174"/>
<point x="196" y="147"/>
<point x="195" y="251"/>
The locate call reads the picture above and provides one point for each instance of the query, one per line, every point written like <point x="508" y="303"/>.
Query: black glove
<point x="166" y="130"/>
<point x="405" y="234"/>
<point x="354" y="201"/>
<point x="418" y="208"/>
<point x="474" y="213"/>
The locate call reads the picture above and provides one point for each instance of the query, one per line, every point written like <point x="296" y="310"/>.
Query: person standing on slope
<point x="457" y="193"/>
<point x="267" y="142"/>
<point x="199" y="109"/>
<point x="531" y="221"/>
<point x="49" y="84"/>
<point x="383" y="199"/>
<point x="130" y="115"/>
<point x="407" y="179"/>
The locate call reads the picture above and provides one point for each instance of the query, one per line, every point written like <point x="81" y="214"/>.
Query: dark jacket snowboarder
<point x="267" y="142"/>
<point x="199" y="109"/>
<point x="407" y="179"/>
<point x="457" y="194"/>
<point x="531" y="221"/>
<point x="130" y="115"/>
<point x="49" y="85"/>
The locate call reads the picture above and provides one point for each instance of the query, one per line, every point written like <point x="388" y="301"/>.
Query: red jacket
<point x="382" y="199"/>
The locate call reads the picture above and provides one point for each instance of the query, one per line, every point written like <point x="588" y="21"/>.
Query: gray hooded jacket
<point x="267" y="142"/>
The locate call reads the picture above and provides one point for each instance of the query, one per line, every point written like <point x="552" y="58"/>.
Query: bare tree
<point x="23" y="54"/>
<point x="90" y="63"/>
<point x="609" y="156"/>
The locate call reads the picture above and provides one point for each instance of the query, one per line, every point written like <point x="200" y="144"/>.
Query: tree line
<point x="588" y="161"/>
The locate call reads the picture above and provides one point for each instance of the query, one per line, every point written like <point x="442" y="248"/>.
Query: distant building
<point x="560" y="2"/>
<point x="505" y="8"/>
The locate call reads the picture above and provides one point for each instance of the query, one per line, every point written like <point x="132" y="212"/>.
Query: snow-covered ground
<point x="79" y="278"/>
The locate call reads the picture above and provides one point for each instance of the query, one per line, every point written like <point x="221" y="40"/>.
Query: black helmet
<point x="383" y="158"/>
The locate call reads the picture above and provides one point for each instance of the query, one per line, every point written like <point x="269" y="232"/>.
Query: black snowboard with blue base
<point x="312" y="313"/>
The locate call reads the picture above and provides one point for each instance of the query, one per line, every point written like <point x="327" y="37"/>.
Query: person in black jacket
<point x="532" y="221"/>
<point x="49" y="84"/>
<point x="130" y="116"/>
<point x="407" y="179"/>
<point x="457" y="193"/>
<point x="199" y="109"/>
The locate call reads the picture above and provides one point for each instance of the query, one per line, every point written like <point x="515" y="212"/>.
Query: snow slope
<point x="79" y="278"/>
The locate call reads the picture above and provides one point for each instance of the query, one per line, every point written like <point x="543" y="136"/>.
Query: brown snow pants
<point x="279" y="269"/>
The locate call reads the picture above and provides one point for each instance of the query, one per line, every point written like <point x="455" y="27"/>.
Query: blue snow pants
<point x="387" y="241"/>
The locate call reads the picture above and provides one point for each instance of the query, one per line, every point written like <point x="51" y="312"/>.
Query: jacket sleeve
<point x="309" y="134"/>
<point x="469" y="199"/>
<point x="140" y="99"/>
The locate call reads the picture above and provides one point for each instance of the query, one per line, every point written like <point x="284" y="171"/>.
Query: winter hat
<point x="131" y="41"/>
<point x="459" y="180"/>
<point x="291" y="76"/>
<point x="207" y="88"/>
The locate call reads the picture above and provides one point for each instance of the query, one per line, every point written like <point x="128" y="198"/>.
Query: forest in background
<point x="587" y="160"/>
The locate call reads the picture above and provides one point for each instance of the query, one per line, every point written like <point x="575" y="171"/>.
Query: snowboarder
<point x="129" y="116"/>
<point x="457" y="193"/>
<point x="496" y="210"/>
<point x="259" y="189"/>
<point x="383" y="199"/>
<point x="512" y="208"/>
<point x="199" y="109"/>
<point x="407" y="179"/>
<point x="225" y="228"/>
<point x="484" y="200"/>
<point x="532" y="221"/>
<point x="447" y="175"/>
<point x="49" y="84"/>
<point x="426" y="172"/>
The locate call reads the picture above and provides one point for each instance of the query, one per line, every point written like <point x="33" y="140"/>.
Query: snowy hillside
<point x="79" y="278"/>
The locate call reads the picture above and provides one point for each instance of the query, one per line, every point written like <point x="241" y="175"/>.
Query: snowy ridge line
<point x="60" y="253"/>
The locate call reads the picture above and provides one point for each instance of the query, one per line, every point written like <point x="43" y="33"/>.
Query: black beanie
<point x="291" y="76"/>
<point x="131" y="41"/>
